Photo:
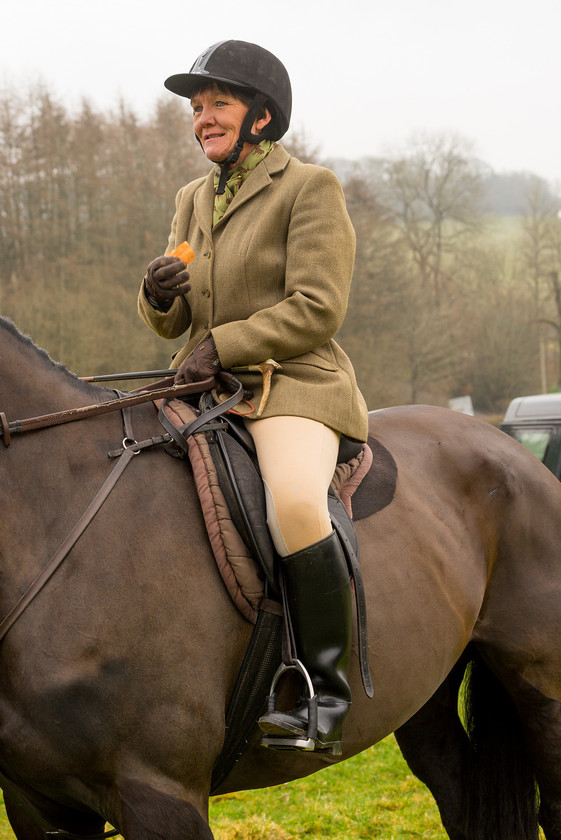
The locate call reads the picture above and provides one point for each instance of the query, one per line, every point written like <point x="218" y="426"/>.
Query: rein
<point x="151" y="392"/>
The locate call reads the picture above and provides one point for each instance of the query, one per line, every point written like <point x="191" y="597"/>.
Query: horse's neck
<point x="31" y="384"/>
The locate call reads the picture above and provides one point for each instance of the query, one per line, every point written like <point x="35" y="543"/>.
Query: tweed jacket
<point x="271" y="280"/>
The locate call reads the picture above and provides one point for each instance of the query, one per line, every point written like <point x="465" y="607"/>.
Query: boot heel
<point x="332" y="749"/>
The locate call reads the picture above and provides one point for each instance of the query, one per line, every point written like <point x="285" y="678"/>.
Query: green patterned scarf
<point x="237" y="176"/>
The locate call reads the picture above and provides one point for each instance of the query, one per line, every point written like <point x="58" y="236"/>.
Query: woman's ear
<point x="261" y="122"/>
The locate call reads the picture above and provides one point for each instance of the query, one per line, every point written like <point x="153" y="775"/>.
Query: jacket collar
<point x="255" y="182"/>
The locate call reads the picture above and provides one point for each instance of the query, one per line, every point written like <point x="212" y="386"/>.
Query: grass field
<point x="370" y="796"/>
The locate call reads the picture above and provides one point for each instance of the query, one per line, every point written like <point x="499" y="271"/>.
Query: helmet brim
<point x="185" y="84"/>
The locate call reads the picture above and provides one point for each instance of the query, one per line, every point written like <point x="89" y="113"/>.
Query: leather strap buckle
<point x="6" y="436"/>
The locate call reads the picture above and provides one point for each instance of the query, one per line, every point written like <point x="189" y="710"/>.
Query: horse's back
<point x="494" y="508"/>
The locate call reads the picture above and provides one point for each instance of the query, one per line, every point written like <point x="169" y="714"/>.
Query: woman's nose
<point x="206" y="116"/>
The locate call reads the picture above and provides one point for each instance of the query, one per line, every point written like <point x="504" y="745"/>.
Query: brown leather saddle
<point x="231" y="492"/>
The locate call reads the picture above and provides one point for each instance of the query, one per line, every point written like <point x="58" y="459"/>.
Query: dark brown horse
<point x="114" y="682"/>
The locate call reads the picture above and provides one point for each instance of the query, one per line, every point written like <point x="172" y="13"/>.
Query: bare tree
<point x="434" y="190"/>
<point x="374" y="316"/>
<point x="541" y="262"/>
<point x="298" y="144"/>
<point x="501" y="358"/>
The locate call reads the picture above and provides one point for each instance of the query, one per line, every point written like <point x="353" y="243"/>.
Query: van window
<point x="536" y="440"/>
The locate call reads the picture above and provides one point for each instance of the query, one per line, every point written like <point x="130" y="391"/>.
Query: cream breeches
<point x="297" y="457"/>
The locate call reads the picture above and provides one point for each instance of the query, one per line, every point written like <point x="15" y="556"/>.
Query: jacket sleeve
<point x="170" y="324"/>
<point x="320" y="251"/>
<point x="177" y="319"/>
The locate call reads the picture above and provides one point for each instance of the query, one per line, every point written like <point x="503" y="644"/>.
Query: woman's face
<point x="217" y="119"/>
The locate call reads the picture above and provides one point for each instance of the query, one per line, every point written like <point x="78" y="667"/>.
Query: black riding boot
<point x="318" y="588"/>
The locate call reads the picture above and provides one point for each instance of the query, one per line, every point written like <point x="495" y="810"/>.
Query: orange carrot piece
<point x="184" y="252"/>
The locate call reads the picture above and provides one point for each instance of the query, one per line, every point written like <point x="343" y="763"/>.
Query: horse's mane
<point x="8" y="326"/>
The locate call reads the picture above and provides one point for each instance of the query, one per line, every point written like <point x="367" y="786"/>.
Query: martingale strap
<point x="65" y="547"/>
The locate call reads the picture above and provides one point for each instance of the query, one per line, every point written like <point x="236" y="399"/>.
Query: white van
<point x="535" y="421"/>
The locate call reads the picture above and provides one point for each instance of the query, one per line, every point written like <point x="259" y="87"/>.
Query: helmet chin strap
<point x="230" y="161"/>
<point x="246" y="136"/>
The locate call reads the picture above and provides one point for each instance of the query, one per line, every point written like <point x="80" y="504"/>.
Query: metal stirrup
<point x="308" y="743"/>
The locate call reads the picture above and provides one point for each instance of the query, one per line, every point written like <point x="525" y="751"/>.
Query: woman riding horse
<point x="274" y="250"/>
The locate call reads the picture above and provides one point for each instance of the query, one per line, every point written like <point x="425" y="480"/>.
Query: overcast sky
<point x="366" y="74"/>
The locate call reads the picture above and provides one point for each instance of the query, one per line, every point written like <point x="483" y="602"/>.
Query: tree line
<point x="446" y="301"/>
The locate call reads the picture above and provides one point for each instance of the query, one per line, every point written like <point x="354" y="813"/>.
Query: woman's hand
<point x="166" y="278"/>
<point x="201" y="364"/>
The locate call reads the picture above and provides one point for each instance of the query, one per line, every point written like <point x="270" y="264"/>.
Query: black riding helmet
<point x="247" y="66"/>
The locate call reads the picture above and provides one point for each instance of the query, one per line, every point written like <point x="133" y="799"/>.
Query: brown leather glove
<point x="201" y="364"/>
<point x="166" y="278"/>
